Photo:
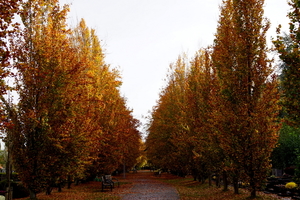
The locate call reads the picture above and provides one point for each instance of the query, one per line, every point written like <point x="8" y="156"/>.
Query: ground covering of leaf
<point x="191" y="190"/>
<point x="186" y="187"/>
<point x="85" y="191"/>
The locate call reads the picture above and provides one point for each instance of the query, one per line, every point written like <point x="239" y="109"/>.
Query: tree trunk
<point x="195" y="177"/>
<point x="209" y="179"/>
<point x="194" y="174"/>
<point x="235" y="180"/>
<point x="8" y="176"/>
<point x="48" y="190"/>
<point x="32" y="195"/>
<point x="76" y="181"/>
<point x="236" y="186"/>
<point x="253" y="190"/>
<point x="69" y="181"/>
<point x="253" y="194"/>
<point x="59" y="189"/>
<point x="225" y="181"/>
<point x="199" y="177"/>
<point x="218" y="180"/>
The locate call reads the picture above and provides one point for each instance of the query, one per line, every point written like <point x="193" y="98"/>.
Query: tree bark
<point x="236" y="186"/>
<point x="69" y="182"/>
<point x="59" y="189"/>
<point x="225" y="181"/>
<point x="209" y="179"/>
<point x="32" y="195"/>
<point x="253" y="189"/>
<point x="48" y="190"/>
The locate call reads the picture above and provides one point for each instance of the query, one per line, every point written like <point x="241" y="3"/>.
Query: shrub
<point x="291" y="185"/>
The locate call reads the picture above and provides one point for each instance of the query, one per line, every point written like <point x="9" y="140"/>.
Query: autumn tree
<point x="287" y="45"/>
<point x="181" y="125"/>
<point x="166" y="144"/>
<point x="181" y="157"/>
<point x="128" y="140"/>
<point x="107" y="121"/>
<point x="70" y="111"/>
<point x="91" y="85"/>
<point x="47" y="68"/>
<point x="288" y="48"/>
<point x="120" y="141"/>
<point x="248" y="90"/>
<point x="8" y="29"/>
<point x="202" y="84"/>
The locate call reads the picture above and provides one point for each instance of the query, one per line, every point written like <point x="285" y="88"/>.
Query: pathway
<point x="146" y="186"/>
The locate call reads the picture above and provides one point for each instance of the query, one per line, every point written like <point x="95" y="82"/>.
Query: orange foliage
<point x="71" y="121"/>
<point x="220" y="112"/>
<point x="248" y="98"/>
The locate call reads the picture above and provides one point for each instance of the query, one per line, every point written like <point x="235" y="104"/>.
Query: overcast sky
<point x="142" y="37"/>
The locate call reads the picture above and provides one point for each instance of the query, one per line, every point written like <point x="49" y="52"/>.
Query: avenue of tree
<point x="221" y="111"/>
<point x="70" y="121"/>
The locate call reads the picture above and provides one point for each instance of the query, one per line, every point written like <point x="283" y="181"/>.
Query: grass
<point x="190" y="190"/>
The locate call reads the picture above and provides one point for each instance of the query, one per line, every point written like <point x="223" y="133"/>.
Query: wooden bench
<point x="106" y="183"/>
<point x="158" y="173"/>
<point x="113" y="180"/>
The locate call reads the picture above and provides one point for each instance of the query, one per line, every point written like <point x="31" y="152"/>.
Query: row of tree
<point x="70" y="120"/>
<point x="219" y="112"/>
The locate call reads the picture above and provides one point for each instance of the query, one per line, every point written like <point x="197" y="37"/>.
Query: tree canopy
<point x="287" y="46"/>
<point x="70" y="121"/>
<point x="218" y="112"/>
<point x="222" y="106"/>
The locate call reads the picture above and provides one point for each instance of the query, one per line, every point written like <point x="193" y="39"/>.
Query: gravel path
<point x="146" y="186"/>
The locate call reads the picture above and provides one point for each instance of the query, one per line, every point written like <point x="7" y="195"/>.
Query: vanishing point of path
<point x="146" y="186"/>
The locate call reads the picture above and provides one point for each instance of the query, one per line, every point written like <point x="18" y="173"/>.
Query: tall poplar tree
<point x="168" y="128"/>
<point x="8" y="29"/>
<point x="70" y="111"/>
<point x="201" y="84"/>
<point x="104" y="118"/>
<point x="47" y="68"/>
<point x="288" y="47"/>
<point x="248" y="92"/>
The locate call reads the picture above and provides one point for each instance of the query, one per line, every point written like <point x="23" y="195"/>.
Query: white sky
<point x="142" y="37"/>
